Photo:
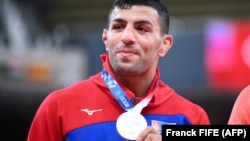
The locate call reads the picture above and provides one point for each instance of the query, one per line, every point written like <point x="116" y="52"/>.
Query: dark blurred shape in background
<point x="49" y="44"/>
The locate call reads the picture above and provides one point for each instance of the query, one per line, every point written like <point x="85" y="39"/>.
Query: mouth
<point x="127" y="52"/>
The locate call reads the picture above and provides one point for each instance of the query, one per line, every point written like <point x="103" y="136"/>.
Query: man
<point x="240" y="113"/>
<point x="126" y="100"/>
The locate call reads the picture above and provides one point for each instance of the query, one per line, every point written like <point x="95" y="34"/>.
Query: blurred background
<point x="49" y="44"/>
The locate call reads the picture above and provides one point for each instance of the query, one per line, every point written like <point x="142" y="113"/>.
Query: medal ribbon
<point x="121" y="96"/>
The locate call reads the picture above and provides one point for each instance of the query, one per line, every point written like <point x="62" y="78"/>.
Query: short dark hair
<point x="158" y="5"/>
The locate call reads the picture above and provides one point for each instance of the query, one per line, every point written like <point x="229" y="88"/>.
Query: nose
<point x="128" y="35"/>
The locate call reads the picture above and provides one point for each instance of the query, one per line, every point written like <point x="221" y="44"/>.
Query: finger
<point x="149" y="130"/>
<point x="153" y="137"/>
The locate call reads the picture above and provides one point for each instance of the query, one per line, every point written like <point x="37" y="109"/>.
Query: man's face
<point x="133" y="40"/>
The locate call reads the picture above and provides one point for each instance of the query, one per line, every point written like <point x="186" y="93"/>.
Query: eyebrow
<point x="137" y="22"/>
<point x="118" y="20"/>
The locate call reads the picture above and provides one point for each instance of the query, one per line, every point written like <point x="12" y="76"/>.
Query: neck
<point x="139" y="85"/>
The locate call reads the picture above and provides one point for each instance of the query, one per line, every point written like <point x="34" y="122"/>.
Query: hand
<point x="149" y="134"/>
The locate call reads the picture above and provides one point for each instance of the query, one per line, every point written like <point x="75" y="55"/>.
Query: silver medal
<point x="130" y="124"/>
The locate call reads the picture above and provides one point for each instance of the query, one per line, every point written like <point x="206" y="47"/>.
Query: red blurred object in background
<point x="227" y="55"/>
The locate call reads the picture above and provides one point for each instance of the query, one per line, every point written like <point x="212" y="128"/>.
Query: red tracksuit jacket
<point x="87" y="111"/>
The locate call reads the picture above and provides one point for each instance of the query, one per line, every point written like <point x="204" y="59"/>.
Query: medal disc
<point x="130" y="124"/>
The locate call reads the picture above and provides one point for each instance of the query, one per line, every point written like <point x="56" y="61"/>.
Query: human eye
<point x="117" y="27"/>
<point x="142" y="29"/>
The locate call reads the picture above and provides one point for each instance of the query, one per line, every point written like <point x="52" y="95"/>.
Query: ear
<point x="104" y="38"/>
<point x="166" y="45"/>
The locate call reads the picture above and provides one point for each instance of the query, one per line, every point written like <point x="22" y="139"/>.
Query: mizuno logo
<point x="90" y="112"/>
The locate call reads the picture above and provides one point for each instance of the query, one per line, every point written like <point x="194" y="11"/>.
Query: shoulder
<point x="244" y="94"/>
<point x="243" y="99"/>
<point x="175" y="98"/>
<point x="178" y="104"/>
<point x="240" y="113"/>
